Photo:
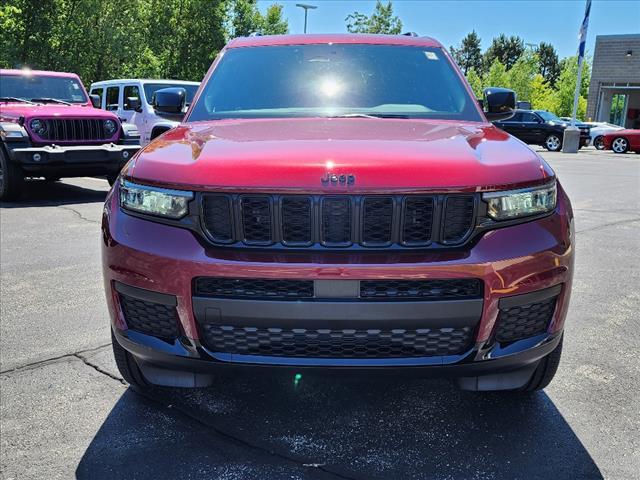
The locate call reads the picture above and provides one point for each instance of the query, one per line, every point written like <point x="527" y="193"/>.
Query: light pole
<point x="306" y="8"/>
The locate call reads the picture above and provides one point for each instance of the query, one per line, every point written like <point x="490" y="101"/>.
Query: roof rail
<point x="410" y="34"/>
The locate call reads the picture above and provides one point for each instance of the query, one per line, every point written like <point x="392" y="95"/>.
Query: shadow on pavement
<point x="381" y="428"/>
<point x="40" y="193"/>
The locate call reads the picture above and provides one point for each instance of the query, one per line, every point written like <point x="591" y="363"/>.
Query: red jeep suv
<point x="338" y="202"/>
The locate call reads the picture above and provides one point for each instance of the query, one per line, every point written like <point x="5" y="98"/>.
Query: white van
<point x="120" y="96"/>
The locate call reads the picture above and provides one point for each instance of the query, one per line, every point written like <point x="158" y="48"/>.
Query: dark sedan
<point x="540" y="127"/>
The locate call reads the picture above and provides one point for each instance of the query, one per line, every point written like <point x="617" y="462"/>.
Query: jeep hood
<point x="13" y="111"/>
<point x="294" y="154"/>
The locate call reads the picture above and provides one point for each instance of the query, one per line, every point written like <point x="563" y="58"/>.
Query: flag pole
<point x="571" y="136"/>
<point x="581" y="49"/>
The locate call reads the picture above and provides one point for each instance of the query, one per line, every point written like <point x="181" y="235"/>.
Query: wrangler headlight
<point x="510" y="204"/>
<point x="110" y="127"/>
<point x="154" y="201"/>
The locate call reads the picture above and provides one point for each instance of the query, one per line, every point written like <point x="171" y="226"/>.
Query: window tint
<point x="112" y="98"/>
<point x="151" y="88"/>
<point x="517" y="117"/>
<point x="334" y="80"/>
<point x="99" y="92"/>
<point x="529" y="117"/>
<point x="130" y="91"/>
<point x="68" y="89"/>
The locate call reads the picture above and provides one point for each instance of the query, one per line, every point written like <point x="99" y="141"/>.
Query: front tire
<point x="620" y="145"/>
<point x="598" y="142"/>
<point x="127" y="366"/>
<point x="553" y="143"/>
<point x="545" y="371"/>
<point x="11" y="178"/>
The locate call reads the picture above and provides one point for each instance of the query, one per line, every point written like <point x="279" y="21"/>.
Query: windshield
<point x="335" y="80"/>
<point x="548" y="116"/>
<point x="150" y="89"/>
<point x="67" y="89"/>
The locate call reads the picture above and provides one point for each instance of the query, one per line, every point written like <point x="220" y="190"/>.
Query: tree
<point x="543" y="97"/>
<point x="273" y="22"/>
<point x="496" y="76"/>
<point x="549" y="64"/>
<point x="506" y="49"/>
<point x="469" y="55"/>
<point x="247" y="19"/>
<point x="382" y="20"/>
<point x="521" y="75"/>
<point x="566" y="85"/>
<point x="475" y="82"/>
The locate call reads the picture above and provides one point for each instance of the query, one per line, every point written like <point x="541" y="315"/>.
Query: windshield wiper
<point x="15" y="99"/>
<point x="369" y="115"/>
<point x="48" y="99"/>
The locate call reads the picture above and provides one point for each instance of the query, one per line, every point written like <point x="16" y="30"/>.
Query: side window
<point x="97" y="91"/>
<point x="112" y="98"/>
<point x="529" y="118"/>
<point x="130" y="91"/>
<point x="517" y="117"/>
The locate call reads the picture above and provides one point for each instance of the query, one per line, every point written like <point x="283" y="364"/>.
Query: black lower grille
<point x="284" y="289"/>
<point x="525" y="321"/>
<point x="421" y="289"/>
<point x="338" y="221"/>
<point x="253" y="288"/>
<point x="331" y="343"/>
<point x="149" y="317"/>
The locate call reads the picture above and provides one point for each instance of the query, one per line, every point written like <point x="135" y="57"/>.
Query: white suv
<point x="131" y="100"/>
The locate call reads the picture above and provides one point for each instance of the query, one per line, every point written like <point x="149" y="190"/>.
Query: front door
<point x="127" y="113"/>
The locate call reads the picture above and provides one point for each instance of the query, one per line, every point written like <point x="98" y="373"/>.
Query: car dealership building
<point x="614" y="92"/>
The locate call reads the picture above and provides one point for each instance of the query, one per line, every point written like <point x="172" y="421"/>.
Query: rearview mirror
<point x="95" y="100"/>
<point x="499" y="103"/>
<point x="169" y="100"/>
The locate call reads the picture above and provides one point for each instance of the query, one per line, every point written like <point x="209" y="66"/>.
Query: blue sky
<point x="554" y="21"/>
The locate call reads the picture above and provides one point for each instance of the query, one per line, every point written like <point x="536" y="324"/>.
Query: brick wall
<point x="610" y="64"/>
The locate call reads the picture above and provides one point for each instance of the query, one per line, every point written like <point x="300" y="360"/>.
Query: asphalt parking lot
<point x="65" y="412"/>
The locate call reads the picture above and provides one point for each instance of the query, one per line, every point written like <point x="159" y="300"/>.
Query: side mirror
<point x="133" y="103"/>
<point x="95" y="100"/>
<point x="499" y="103"/>
<point x="170" y="100"/>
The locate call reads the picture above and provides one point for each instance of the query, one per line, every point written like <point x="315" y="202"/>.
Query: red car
<point x="622" y="141"/>
<point x="341" y="203"/>
<point x="50" y="128"/>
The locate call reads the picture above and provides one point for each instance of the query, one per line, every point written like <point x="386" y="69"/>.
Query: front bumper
<point x="521" y="260"/>
<point x="73" y="160"/>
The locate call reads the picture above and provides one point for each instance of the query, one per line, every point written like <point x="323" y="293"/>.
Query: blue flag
<point x="583" y="30"/>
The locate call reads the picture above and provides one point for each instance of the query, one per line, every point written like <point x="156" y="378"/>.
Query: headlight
<point x="110" y="127"/>
<point x="38" y="126"/>
<point x="154" y="201"/>
<point x="521" y="203"/>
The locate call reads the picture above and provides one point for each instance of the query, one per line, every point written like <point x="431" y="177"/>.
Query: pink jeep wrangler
<point x="50" y="128"/>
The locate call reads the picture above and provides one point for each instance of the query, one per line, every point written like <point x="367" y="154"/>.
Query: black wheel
<point x="112" y="178"/>
<point x="598" y="142"/>
<point x="11" y="178"/>
<point x="620" y="145"/>
<point x="545" y="371"/>
<point x="127" y="365"/>
<point x="553" y="143"/>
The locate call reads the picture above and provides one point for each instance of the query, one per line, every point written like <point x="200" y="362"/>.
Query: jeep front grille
<point x="74" y="130"/>
<point x="338" y="221"/>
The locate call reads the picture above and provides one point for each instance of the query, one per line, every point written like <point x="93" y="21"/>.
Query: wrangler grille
<point x="332" y="221"/>
<point x="74" y="130"/>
